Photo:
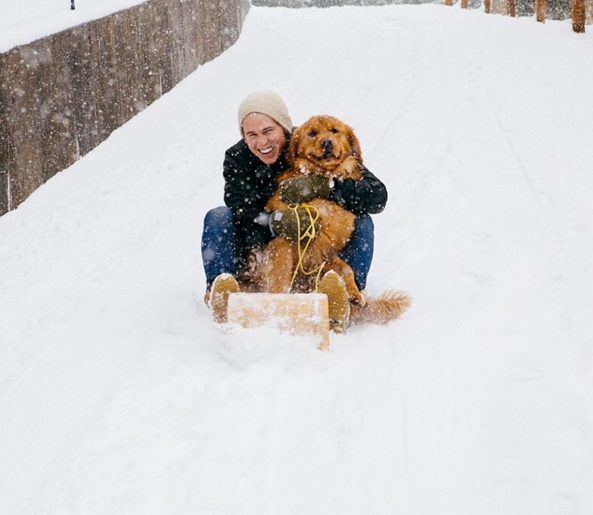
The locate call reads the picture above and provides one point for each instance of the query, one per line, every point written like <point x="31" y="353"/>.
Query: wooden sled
<point x="295" y="313"/>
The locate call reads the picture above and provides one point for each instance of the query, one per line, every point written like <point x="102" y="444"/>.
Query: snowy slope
<point x="118" y="394"/>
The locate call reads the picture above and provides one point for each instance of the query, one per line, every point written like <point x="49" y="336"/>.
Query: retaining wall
<point x="62" y="95"/>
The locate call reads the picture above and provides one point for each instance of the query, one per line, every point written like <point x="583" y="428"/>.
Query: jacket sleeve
<point x="366" y="196"/>
<point x="245" y="201"/>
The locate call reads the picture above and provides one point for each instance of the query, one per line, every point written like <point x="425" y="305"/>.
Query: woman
<point x="250" y="169"/>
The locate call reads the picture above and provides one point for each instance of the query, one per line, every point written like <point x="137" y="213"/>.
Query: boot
<point x="337" y="300"/>
<point x="222" y="287"/>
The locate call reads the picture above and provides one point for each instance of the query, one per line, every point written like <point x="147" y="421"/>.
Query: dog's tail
<point x="382" y="309"/>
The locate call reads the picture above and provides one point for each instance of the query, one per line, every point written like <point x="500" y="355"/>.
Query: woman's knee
<point x="364" y="225"/>
<point x="218" y="216"/>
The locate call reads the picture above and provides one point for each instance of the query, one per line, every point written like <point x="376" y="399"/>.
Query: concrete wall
<point x="62" y="95"/>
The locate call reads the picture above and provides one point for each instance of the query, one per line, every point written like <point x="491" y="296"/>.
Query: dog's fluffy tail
<point x="382" y="309"/>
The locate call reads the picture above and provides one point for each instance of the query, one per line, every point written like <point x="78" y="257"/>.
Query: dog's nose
<point x="326" y="145"/>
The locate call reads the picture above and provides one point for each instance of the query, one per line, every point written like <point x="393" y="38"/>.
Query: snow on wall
<point x="61" y="95"/>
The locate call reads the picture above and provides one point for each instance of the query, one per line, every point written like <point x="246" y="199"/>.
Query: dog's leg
<point x="343" y="269"/>
<point x="280" y="265"/>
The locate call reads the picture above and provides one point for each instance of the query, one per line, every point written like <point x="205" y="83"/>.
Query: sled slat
<point x="296" y="313"/>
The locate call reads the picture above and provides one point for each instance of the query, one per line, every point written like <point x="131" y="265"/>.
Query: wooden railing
<point x="578" y="11"/>
<point x="510" y="7"/>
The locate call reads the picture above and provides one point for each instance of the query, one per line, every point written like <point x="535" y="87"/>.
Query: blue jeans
<point x="220" y="251"/>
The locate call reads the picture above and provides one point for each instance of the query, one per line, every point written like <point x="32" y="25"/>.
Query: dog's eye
<point x="312" y="134"/>
<point x="334" y="130"/>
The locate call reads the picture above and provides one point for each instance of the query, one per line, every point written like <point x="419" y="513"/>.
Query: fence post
<point x="578" y="15"/>
<point x="540" y="10"/>
<point x="588" y="11"/>
<point x="512" y="8"/>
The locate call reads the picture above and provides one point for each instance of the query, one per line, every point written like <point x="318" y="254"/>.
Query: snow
<point x="119" y="395"/>
<point x="24" y="21"/>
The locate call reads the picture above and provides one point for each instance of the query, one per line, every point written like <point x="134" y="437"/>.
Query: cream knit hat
<point x="265" y="102"/>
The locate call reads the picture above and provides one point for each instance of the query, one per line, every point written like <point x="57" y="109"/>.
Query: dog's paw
<point x="350" y="168"/>
<point x="358" y="299"/>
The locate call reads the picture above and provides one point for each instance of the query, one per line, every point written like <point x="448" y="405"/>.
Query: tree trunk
<point x="578" y="15"/>
<point x="464" y="4"/>
<point x="448" y="2"/>
<point x="540" y="10"/>
<point x="512" y="8"/>
<point x="487" y="6"/>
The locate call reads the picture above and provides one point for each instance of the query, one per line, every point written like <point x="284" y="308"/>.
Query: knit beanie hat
<point x="265" y="102"/>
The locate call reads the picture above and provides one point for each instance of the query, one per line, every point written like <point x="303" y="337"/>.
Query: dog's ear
<point x="354" y="143"/>
<point x="293" y="146"/>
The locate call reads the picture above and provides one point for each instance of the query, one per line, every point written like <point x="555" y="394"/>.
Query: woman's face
<point x="264" y="136"/>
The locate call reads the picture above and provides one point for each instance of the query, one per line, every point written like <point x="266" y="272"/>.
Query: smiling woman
<point x="264" y="137"/>
<point x="265" y="124"/>
<point x="252" y="169"/>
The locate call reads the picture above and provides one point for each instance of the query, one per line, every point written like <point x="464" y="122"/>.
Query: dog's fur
<point x="325" y="146"/>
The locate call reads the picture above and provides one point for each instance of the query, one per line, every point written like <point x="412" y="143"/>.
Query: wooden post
<point x="578" y="16"/>
<point x="588" y="11"/>
<point x="512" y="8"/>
<point x="487" y="6"/>
<point x="540" y="10"/>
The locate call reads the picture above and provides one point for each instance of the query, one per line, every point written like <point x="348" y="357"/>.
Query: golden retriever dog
<point x="323" y="145"/>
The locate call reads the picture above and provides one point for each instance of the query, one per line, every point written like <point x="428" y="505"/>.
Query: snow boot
<point x="337" y="300"/>
<point x="222" y="287"/>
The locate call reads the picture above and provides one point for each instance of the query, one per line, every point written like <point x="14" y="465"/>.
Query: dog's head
<point x="325" y="145"/>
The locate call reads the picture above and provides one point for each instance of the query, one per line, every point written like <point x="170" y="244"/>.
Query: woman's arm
<point x="366" y="196"/>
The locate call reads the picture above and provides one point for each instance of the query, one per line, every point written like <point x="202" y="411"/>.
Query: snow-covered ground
<point x="119" y="395"/>
<point x="23" y="21"/>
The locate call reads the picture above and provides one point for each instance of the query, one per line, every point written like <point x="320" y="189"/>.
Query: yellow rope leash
<point x="308" y="235"/>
